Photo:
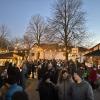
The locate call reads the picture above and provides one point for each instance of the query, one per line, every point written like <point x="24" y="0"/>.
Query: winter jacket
<point x="64" y="90"/>
<point x="82" y="91"/>
<point x="47" y="91"/>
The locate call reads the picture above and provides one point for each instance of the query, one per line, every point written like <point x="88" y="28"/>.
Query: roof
<point x="52" y="46"/>
<point x="6" y="55"/>
<point x="49" y="46"/>
<point x="9" y="55"/>
<point x="96" y="47"/>
<point x="93" y="53"/>
<point x="82" y="49"/>
<point x="20" y="54"/>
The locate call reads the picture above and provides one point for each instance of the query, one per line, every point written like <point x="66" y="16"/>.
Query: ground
<point x="33" y="94"/>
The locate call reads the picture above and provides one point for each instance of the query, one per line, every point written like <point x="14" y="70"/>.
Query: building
<point x="78" y="53"/>
<point x="11" y="56"/>
<point x="43" y="51"/>
<point x="48" y="51"/>
<point x="93" y="55"/>
<point x="56" y="51"/>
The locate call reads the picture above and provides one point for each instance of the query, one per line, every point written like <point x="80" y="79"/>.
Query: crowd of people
<point x="57" y="80"/>
<point x="11" y="83"/>
<point x="64" y="81"/>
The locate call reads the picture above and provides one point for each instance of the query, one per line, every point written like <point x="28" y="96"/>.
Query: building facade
<point x="93" y="55"/>
<point x="55" y="51"/>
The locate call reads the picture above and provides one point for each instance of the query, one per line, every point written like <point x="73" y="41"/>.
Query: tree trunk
<point x="66" y="53"/>
<point x="38" y="55"/>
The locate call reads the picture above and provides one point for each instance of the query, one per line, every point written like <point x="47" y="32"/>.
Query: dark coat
<point x="53" y="75"/>
<point x="64" y="90"/>
<point x="82" y="91"/>
<point x="47" y="91"/>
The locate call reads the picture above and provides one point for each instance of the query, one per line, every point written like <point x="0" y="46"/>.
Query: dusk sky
<point x="16" y="14"/>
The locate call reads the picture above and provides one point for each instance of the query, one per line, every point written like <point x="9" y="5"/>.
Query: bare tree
<point x="16" y="43"/>
<point x="4" y="36"/>
<point x="68" y="22"/>
<point x="36" y="29"/>
<point x="28" y="41"/>
<point x="50" y="36"/>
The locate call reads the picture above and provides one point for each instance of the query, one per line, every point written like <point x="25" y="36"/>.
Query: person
<point x="23" y="75"/>
<point x="81" y="90"/>
<point x="11" y="86"/>
<point x="47" y="89"/>
<point x="93" y="77"/>
<point x="3" y="90"/>
<point x="52" y="72"/>
<point x="85" y="73"/>
<point x="64" y="86"/>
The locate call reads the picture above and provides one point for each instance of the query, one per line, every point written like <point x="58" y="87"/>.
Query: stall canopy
<point x="10" y="55"/>
<point x="93" y="53"/>
<point x="6" y="55"/>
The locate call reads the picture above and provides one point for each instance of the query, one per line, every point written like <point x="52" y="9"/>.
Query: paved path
<point x="33" y="94"/>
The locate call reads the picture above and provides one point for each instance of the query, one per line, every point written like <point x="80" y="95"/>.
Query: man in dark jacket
<point x="47" y="89"/>
<point x="81" y="90"/>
